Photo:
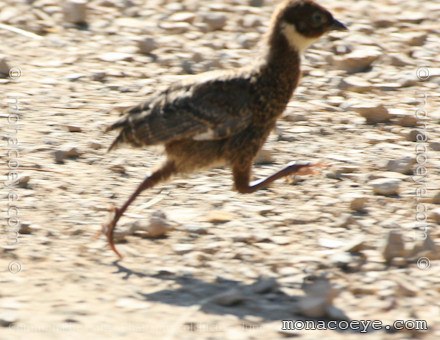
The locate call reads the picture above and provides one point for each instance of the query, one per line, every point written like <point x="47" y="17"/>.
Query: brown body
<point x="225" y="117"/>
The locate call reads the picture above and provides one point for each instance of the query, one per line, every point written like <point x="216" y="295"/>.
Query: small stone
<point x="427" y="248"/>
<point x="99" y="75"/>
<point x="264" y="157"/>
<point x="219" y="216"/>
<point x="334" y="313"/>
<point x="182" y="17"/>
<point x="386" y="186"/>
<point x="147" y="45"/>
<point x="417" y="135"/>
<point x="75" y="11"/>
<point x="373" y="113"/>
<point x="118" y="168"/>
<point x="4" y="67"/>
<point x="402" y="118"/>
<point x="399" y="262"/>
<point x="25" y="228"/>
<point x="182" y="248"/>
<point x="23" y="181"/>
<point x="435" y="146"/>
<point x="7" y="319"/>
<point x="116" y="56"/>
<point x="435" y="215"/>
<point x="402" y="165"/>
<point x="131" y="304"/>
<point x="356" y="246"/>
<point x="319" y="297"/>
<point x="95" y="145"/>
<point x="413" y="38"/>
<point x="256" y="3"/>
<point x="358" y="203"/>
<point x="215" y="21"/>
<point x="354" y="84"/>
<point x="159" y="225"/>
<point x="74" y="76"/>
<point x="229" y="298"/>
<point x="265" y="285"/>
<point x="394" y="247"/>
<point x="176" y="27"/>
<point x="65" y="152"/>
<point x="73" y="128"/>
<point x="356" y="61"/>
<point x="400" y="60"/>
<point x="405" y="289"/>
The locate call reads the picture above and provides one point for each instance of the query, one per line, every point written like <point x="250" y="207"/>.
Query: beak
<point x="338" y="26"/>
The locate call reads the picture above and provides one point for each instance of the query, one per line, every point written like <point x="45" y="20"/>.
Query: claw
<point x="109" y="228"/>
<point x="306" y="168"/>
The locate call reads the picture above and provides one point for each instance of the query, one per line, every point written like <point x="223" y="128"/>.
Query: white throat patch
<point x="295" y="39"/>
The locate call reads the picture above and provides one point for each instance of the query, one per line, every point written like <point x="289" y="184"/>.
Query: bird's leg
<point x="242" y="176"/>
<point x="160" y="175"/>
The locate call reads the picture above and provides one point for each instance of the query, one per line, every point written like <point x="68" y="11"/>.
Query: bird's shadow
<point x="268" y="305"/>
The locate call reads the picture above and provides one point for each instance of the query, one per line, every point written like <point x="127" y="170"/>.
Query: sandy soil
<point x="232" y="266"/>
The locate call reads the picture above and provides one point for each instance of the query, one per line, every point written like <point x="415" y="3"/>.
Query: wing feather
<point x="208" y="110"/>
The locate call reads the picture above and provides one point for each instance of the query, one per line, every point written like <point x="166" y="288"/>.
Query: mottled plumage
<point x="225" y="117"/>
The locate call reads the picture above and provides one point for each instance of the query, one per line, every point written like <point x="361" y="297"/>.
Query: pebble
<point x="256" y="3"/>
<point x="400" y="117"/>
<point x="265" y="285"/>
<point x="264" y="156"/>
<point x="435" y="215"/>
<point x="116" y="56"/>
<point x="358" y="203"/>
<point x="229" y="298"/>
<point x="159" y="225"/>
<point x="426" y="247"/>
<point x="417" y="135"/>
<point x="386" y="186"/>
<point x="75" y="11"/>
<point x="4" y="67"/>
<point x="8" y="319"/>
<point x="219" y="216"/>
<point x="176" y="27"/>
<point x="319" y="298"/>
<point x="356" y="61"/>
<point x="23" y="181"/>
<point x="215" y="21"/>
<point x="182" y="17"/>
<point x="354" y="84"/>
<point x="435" y="146"/>
<point x="25" y="228"/>
<point x="95" y="145"/>
<point x="132" y="304"/>
<point x="394" y="246"/>
<point x="402" y="165"/>
<point x="182" y="248"/>
<point x="65" y="152"/>
<point x="147" y="45"/>
<point x="373" y="113"/>
<point x="73" y="128"/>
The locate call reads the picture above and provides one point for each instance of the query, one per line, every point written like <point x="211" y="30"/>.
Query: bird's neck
<point x="279" y="71"/>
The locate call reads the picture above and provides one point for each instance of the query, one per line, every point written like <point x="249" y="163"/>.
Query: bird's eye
<point x="318" y="19"/>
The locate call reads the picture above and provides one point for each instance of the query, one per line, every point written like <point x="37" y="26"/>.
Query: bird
<point x="224" y="117"/>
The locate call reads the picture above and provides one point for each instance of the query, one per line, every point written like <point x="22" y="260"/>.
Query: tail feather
<point x="116" y="125"/>
<point x="118" y="140"/>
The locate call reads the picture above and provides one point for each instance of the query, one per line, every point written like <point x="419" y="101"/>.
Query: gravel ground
<point x="346" y="244"/>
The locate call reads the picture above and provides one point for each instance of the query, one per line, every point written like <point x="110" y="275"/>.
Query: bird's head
<point x="302" y="22"/>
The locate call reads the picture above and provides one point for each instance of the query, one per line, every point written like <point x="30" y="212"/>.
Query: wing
<point x="202" y="110"/>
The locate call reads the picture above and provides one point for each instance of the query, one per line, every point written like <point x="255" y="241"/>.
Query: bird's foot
<point x="304" y="168"/>
<point x="108" y="229"/>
